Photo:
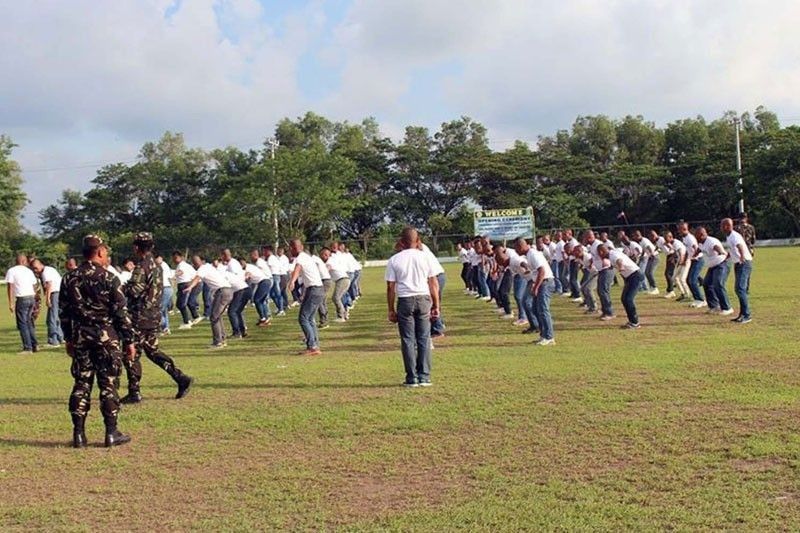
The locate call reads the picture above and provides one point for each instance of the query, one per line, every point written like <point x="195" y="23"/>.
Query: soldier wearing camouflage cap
<point x="144" y="292"/>
<point x="95" y="320"/>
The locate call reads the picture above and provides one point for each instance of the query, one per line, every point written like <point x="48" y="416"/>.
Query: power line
<point x="79" y="166"/>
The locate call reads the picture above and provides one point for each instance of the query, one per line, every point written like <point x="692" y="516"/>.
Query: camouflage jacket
<point x="91" y="306"/>
<point x="748" y="232"/>
<point x="144" y="291"/>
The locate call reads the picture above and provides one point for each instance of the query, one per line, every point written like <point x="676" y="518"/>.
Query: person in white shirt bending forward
<point x="411" y="280"/>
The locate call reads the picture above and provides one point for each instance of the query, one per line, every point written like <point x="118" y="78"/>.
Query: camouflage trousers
<point x="147" y="343"/>
<point x="102" y="361"/>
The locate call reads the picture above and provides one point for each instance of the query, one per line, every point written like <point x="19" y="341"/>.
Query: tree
<point x="12" y="198"/>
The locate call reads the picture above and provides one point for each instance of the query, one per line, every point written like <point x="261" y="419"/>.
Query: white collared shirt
<point x="734" y="239"/>
<point x="184" y="272"/>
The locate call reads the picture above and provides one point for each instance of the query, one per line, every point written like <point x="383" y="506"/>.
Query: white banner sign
<point x="504" y="224"/>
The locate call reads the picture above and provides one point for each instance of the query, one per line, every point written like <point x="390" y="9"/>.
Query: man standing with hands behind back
<point x="411" y="280"/>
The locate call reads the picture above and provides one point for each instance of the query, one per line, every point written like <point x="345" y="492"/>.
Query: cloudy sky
<point x="87" y="82"/>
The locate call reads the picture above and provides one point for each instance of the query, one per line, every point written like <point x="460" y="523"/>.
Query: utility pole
<point x="273" y="145"/>
<point x="736" y="123"/>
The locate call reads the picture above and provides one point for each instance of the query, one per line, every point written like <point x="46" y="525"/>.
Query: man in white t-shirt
<point x="337" y="266"/>
<point x="259" y="276"/>
<point x="742" y="259"/>
<point x="463" y="257"/>
<point x="220" y="296"/>
<point x="21" y="301"/>
<point x="306" y="270"/>
<point x="327" y="285"/>
<point x="186" y="301"/>
<point x="166" y="297"/>
<point x="681" y="270"/>
<point x="51" y="286"/>
<point x="541" y="287"/>
<point x="411" y="281"/>
<point x="630" y="272"/>
<point x="695" y="261"/>
<point x="276" y="268"/>
<point x="648" y="261"/>
<point x="716" y="274"/>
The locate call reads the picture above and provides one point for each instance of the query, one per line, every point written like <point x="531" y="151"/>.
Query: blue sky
<point x="88" y="82"/>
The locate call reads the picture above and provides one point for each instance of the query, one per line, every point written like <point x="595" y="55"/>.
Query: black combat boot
<point x="78" y="432"/>
<point x="114" y="437"/>
<point x="132" y="397"/>
<point x="184" y="382"/>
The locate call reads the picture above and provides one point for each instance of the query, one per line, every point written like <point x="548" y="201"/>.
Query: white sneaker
<point x="509" y="316"/>
<point x="545" y="342"/>
<point x="565" y="295"/>
<point x="198" y="319"/>
<point x="654" y="292"/>
<point x="726" y="312"/>
<point x="340" y="320"/>
<point x="606" y="318"/>
<point x="295" y="304"/>
<point x="521" y="322"/>
<point x="487" y="298"/>
<point x="713" y="311"/>
<point x="499" y="311"/>
<point x="578" y="300"/>
<point x="670" y="295"/>
<point x="282" y="313"/>
<point x="185" y="326"/>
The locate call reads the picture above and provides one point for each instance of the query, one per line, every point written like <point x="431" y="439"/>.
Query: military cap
<point x="143" y="237"/>
<point x="92" y="241"/>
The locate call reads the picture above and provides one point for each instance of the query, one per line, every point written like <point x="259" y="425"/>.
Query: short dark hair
<point x="177" y="253"/>
<point x="144" y="246"/>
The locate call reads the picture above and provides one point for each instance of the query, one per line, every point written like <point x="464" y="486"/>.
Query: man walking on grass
<point x="307" y="271"/>
<point x="742" y="258"/>
<point x="411" y="282"/>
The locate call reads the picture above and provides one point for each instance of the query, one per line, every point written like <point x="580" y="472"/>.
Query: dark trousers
<point x="23" y="312"/>
<point x="503" y="290"/>
<point x="414" y="323"/>
<point x="714" y="286"/>
<point x="101" y="361"/>
<point x="629" y="292"/>
<point x="465" y="277"/>
<point x="236" y="310"/>
<point x="261" y="296"/>
<point x="187" y="302"/>
<point x="574" y="286"/>
<point x="604" y="280"/>
<point x="327" y="286"/>
<point x="147" y="343"/>
<point x="207" y="300"/>
<point x="669" y="274"/>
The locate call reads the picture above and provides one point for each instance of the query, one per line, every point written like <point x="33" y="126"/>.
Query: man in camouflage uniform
<point x="747" y="231"/>
<point x="144" y="291"/>
<point x="93" y="317"/>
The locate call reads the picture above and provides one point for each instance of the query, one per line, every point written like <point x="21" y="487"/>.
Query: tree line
<point x="331" y="179"/>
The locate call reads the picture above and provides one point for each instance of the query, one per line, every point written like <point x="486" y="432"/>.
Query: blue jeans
<point x="236" y="310"/>
<point x="742" y="272"/>
<point x="355" y="288"/>
<point x="694" y="278"/>
<point x="543" y="308"/>
<point x="312" y="299"/>
<point x="483" y="286"/>
<point x="574" y="286"/>
<point x="519" y="295"/>
<point x="714" y="285"/>
<point x="276" y="294"/>
<point x="529" y="305"/>
<point x="563" y="274"/>
<point x="604" y="280"/>
<point x="187" y="302"/>
<point x="347" y="298"/>
<point x="23" y="312"/>
<point x="260" y="296"/>
<point x="556" y="279"/>
<point x="414" y="323"/>
<point x="54" y="334"/>
<point x="207" y="300"/>
<point x="629" y="292"/>
<point x="652" y="263"/>
<point x="166" y="303"/>
<point x="437" y="326"/>
<point x="503" y="290"/>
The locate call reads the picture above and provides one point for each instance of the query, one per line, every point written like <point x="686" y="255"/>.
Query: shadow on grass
<point x="290" y="386"/>
<point x="23" y="443"/>
<point x="34" y="401"/>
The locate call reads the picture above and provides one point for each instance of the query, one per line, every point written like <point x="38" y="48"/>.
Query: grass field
<point x="689" y="423"/>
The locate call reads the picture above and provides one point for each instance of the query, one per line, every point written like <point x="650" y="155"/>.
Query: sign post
<point x="505" y="224"/>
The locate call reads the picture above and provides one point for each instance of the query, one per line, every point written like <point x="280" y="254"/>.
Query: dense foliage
<point x="330" y="179"/>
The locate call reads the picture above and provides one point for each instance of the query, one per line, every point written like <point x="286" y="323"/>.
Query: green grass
<point x="689" y="423"/>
